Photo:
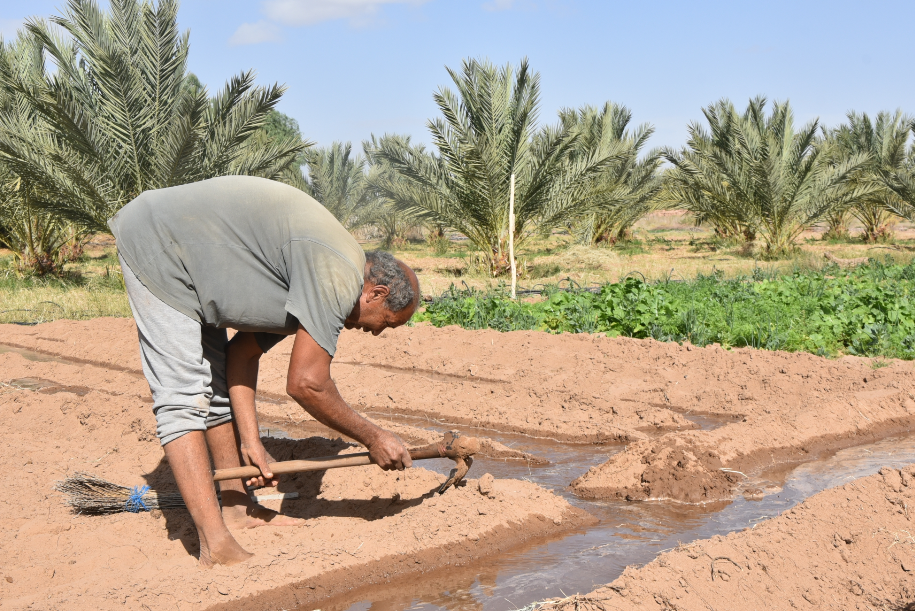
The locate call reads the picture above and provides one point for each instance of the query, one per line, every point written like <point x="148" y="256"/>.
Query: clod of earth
<point x="485" y="484"/>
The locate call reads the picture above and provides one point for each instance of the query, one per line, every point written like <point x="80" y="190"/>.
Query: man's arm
<point x="242" y="362"/>
<point x="310" y="384"/>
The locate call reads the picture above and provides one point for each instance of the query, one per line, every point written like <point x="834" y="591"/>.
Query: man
<point x="267" y="260"/>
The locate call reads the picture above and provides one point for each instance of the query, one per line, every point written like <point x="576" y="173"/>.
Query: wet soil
<point x="628" y="534"/>
<point x="850" y="547"/>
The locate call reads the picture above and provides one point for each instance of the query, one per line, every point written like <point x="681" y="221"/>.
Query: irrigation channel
<point x="628" y="533"/>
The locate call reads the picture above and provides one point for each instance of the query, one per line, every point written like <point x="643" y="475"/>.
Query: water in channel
<point x="628" y="533"/>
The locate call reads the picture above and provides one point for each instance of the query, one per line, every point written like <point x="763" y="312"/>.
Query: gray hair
<point x="383" y="269"/>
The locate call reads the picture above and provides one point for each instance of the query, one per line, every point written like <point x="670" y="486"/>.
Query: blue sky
<point x="354" y="67"/>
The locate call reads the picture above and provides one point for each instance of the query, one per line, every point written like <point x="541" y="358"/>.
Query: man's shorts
<point x="184" y="363"/>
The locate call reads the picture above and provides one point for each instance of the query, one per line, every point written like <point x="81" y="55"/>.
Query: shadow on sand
<point x="179" y="525"/>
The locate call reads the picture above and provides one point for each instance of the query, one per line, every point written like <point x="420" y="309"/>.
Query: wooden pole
<point x="511" y="236"/>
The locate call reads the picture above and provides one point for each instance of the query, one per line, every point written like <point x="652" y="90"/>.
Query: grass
<point x="91" y="288"/>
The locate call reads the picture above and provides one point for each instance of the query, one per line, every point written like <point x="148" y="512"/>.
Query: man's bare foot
<point x="239" y="511"/>
<point x="226" y="552"/>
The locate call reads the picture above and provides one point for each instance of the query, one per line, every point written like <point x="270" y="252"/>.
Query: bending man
<point x="267" y="260"/>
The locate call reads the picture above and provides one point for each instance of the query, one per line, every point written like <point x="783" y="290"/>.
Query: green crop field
<point x="868" y="311"/>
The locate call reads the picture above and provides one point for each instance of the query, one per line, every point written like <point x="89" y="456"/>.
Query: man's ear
<point x="379" y="291"/>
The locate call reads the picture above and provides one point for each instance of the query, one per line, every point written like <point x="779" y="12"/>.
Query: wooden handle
<point x="321" y="463"/>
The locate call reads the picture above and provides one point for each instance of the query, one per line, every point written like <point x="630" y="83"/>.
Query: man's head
<point x="390" y="294"/>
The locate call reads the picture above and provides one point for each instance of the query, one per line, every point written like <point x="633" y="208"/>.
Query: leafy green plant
<point x="473" y="309"/>
<point x="868" y="311"/>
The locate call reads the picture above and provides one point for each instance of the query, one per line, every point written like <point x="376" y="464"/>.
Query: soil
<point x="694" y="422"/>
<point x="772" y="408"/>
<point x="849" y="547"/>
<point x="363" y="525"/>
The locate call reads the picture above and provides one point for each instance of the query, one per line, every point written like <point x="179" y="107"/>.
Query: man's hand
<point x="388" y="452"/>
<point x="255" y="454"/>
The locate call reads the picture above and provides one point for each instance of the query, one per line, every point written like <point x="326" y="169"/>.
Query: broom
<point x="93" y="496"/>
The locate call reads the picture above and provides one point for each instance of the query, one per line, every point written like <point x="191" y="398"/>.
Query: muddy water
<point x="32" y="355"/>
<point x="628" y="533"/>
<point x="47" y="387"/>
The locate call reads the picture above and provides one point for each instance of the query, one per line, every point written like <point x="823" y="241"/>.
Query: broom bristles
<point x="94" y="496"/>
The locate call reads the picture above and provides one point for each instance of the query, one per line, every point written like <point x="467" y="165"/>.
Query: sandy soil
<point x="776" y="408"/>
<point x="850" y="547"/>
<point x="527" y="382"/>
<point x="89" y="411"/>
<point x="363" y="525"/>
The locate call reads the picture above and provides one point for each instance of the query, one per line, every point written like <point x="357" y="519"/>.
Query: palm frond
<point x="119" y="117"/>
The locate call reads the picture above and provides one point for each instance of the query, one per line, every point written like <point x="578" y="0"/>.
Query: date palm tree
<point x="34" y="235"/>
<point x="885" y="141"/>
<point x="901" y="181"/>
<point x="757" y="175"/>
<point x="121" y="119"/>
<point x="627" y="188"/>
<point x="337" y="179"/>
<point x="487" y="132"/>
<point x="400" y="205"/>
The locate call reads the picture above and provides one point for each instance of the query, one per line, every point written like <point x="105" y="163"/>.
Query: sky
<point x="357" y="67"/>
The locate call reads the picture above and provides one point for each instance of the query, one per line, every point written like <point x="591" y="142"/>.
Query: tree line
<point x="98" y="106"/>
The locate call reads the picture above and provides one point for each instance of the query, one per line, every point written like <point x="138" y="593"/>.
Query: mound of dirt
<point x="669" y="469"/>
<point x="849" y="547"/>
<point x="363" y="525"/>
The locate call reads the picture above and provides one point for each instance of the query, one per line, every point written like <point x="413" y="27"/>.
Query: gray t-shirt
<point x="246" y="253"/>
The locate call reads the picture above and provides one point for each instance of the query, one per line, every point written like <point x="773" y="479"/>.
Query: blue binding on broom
<point x="135" y="500"/>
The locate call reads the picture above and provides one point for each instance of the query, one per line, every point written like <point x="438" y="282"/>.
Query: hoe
<point x="91" y="495"/>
